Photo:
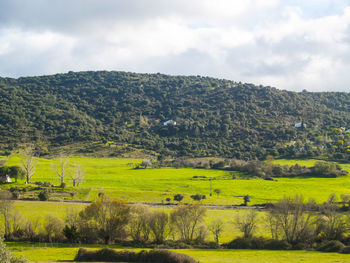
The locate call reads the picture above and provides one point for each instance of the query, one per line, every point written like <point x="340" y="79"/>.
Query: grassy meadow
<point x="35" y="252"/>
<point x="117" y="178"/>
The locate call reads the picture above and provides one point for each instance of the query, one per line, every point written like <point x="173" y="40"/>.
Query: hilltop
<point x="123" y="112"/>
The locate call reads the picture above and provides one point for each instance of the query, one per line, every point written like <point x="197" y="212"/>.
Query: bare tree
<point x="331" y="225"/>
<point x="61" y="168"/>
<point x="28" y="162"/>
<point x="159" y="225"/>
<point x="139" y="226"/>
<point x="292" y="219"/>
<point x="216" y="227"/>
<point x="247" y="223"/>
<point x="78" y="175"/>
<point x="187" y="220"/>
<point x="6" y="206"/>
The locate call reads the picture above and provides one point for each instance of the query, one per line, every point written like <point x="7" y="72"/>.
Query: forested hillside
<point x="214" y="117"/>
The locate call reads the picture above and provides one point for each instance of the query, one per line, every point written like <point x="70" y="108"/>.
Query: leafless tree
<point x="61" y="168"/>
<point x="139" y="225"/>
<point x="291" y="218"/>
<point x="159" y="225"/>
<point x="6" y="207"/>
<point x="187" y="219"/>
<point x="247" y="223"/>
<point x="216" y="227"/>
<point x="78" y="175"/>
<point x="28" y="162"/>
<point x="331" y="225"/>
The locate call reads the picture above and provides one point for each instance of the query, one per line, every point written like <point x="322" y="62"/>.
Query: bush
<point x="178" y="197"/>
<point x="198" y="197"/>
<point x="44" y="195"/>
<point x="110" y="255"/>
<point x="258" y="243"/>
<point x="331" y="246"/>
<point x="15" y="195"/>
<point x="346" y="250"/>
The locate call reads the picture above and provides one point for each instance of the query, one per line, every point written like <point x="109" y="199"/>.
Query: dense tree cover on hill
<point x="214" y="117"/>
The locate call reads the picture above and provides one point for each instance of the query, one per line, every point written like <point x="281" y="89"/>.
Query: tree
<point x="291" y="218"/>
<point x="6" y="206"/>
<point x="247" y="223"/>
<point x="53" y="228"/>
<point x="78" y="176"/>
<point x="140" y="223"/>
<point x="246" y="199"/>
<point x="61" y="168"/>
<point x="16" y="172"/>
<point x="7" y="257"/>
<point x="216" y="227"/>
<point x="198" y="197"/>
<point x="108" y="218"/>
<point x="146" y="163"/>
<point x="159" y="225"/>
<point x="187" y="219"/>
<point x="217" y="191"/>
<point x="331" y="225"/>
<point x="28" y="162"/>
<point x="178" y="197"/>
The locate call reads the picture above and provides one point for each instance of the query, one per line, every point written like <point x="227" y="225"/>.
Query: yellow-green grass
<point x="115" y="178"/>
<point x="61" y="253"/>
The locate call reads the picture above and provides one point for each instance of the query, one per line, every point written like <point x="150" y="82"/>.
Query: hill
<point x="123" y="111"/>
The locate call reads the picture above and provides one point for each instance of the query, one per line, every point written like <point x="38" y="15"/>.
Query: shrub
<point x="44" y="195"/>
<point x="331" y="246"/>
<point x="15" y="195"/>
<point x="346" y="250"/>
<point x="7" y="257"/>
<point x="110" y="255"/>
<point x="198" y="197"/>
<point x="178" y="197"/>
<point x="258" y="243"/>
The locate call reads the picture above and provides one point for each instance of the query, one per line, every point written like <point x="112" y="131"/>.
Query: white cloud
<point x="286" y="44"/>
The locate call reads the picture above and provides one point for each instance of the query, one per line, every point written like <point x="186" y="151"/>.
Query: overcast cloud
<point x="293" y="44"/>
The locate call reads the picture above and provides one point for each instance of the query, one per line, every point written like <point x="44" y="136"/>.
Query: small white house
<point x="299" y="124"/>
<point x="5" y="179"/>
<point x="169" y="122"/>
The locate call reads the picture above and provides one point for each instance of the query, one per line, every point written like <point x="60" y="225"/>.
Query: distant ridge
<point x="126" y="111"/>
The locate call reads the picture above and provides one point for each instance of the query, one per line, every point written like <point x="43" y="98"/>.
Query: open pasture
<point x="116" y="177"/>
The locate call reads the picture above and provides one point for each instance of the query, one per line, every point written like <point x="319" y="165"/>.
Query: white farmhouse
<point x="5" y="179"/>
<point x="299" y="124"/>
<point x="169" y="122"/>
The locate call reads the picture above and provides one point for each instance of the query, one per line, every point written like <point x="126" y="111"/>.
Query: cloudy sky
<point x="288" y="44"/>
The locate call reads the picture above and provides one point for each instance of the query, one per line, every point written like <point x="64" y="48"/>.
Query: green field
<point x="35" y="252"/>
<point x="116" y="178"/>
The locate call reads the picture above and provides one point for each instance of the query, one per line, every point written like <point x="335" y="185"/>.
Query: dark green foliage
<point x="213" y="117"/>
<point x="258" y="243"/>
<point x="71" y="233"/>
<point x="346" y="250"/>
<point x="198" y="197"/>
<point x="178" y="197"/>
<point x="110" y="255"/>
<point x="331" y="246"/>
<point x="44" y="195"/>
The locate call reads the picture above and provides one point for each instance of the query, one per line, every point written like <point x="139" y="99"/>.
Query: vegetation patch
<point x="110" y="255"/>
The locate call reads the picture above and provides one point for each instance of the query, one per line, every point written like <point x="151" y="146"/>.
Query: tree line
<point x="292" y="223"/>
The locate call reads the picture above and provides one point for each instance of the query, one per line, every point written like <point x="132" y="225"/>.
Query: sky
<point x="287" y="44"/>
